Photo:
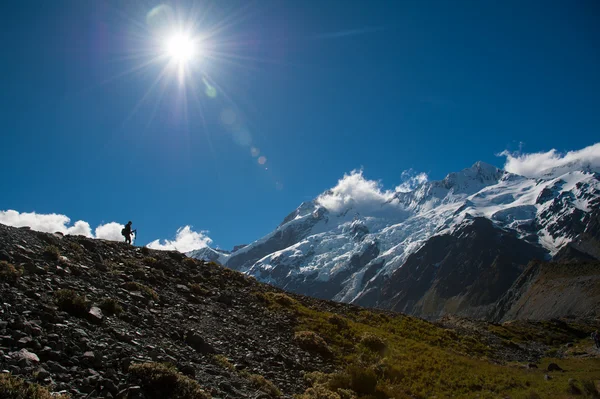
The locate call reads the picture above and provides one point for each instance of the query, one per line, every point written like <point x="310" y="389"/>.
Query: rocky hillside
<point x="95" y="319"/>
<point x="547" y="290"/>
<point x="462" y="274"/>
<point x="336" y="247"/>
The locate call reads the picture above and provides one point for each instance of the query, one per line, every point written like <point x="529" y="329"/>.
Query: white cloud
<point x="48" y="223"/>
<point x="110" y="231"/>
<point x="185" y="240"/>
<point x="356" y="191"/>
<point x="411" y="180"/>
<point x="53" y="223"/>
<point x="552" y="163"/>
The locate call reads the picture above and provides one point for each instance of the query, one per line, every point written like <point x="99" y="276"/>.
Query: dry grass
<point x="423" y="360"/>
<point x="111" y="307"/>
<point x="312" y="342"/>
<point x="8" y="272"/>
<point x="15" y="388"/>
<point x="147" y="291"/>
<point x="160" y="381"/>
<point x="72" y="303"/>
<point x="260" y="382"/>
<point x="51" y="252"/>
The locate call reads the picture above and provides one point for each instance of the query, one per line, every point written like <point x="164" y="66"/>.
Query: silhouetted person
<point x="127" y="232"/>
<point x="596" y="338"/>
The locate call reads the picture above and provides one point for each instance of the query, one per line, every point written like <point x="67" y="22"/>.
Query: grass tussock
<point x="15" y="388"/>
<point x="145" y="290"/>
<point x="224" y="362"/>
<point x="72" y="303"/>
<point x="373" y="343"/>
<point x="190" y="262"/>
<point x="277" y="299"/>
<point x="197" y="289"/>
<point x="260" y="382"/>
<point x="111" y="307"/>
<point x="312" y="342"/>
<point x="51" y="252"/>
<point x="8" y="272"/>
<point x="150" y="261"/>
<point x="160" y="381"/>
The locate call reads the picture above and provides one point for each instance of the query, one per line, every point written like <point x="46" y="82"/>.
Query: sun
<point x="181" y="48"/>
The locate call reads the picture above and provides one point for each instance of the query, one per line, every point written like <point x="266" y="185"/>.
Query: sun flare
<point x="181" y="48"/>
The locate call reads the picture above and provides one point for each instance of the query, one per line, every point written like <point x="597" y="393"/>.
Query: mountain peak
<point x="474" y="178"/>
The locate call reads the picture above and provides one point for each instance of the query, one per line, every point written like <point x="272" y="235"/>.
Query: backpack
<point x="124" y="232"/>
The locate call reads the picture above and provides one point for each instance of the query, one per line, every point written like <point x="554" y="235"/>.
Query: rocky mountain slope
<point x="356" y="254"/>
<point x="90" y="318"/>
<point x="548" y="290"/>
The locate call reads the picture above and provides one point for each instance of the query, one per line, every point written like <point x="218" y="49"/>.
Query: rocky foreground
<point x="96" y="319"/>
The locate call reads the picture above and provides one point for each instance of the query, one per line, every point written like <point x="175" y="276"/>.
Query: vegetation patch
<point x="224" y="362"/>
<point x="15" y="388"/>
<point x="8" y="272"/>
<point x="161" y="381"/>
<point x="373" y="343"/>
<point x="52" y="253"/>
<point x="197" y="289"/>
<point x="111" y="307"/>
<point x="150" y="261"/>
<point x="147" y="291"/>
<point x="260" y="382"/>
<point x="277" y="299"/>
<point x="423" y="360"/>
<point x="190" y="262"/>
<point x="72" y="303"/>
<point x="312" y="342"/>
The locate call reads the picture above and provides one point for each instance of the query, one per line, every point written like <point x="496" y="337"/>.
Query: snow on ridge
<point x="326" y="239"/>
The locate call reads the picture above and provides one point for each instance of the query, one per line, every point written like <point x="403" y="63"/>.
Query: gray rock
<point x="25" y="354"/>
<point x="95" y="315"/>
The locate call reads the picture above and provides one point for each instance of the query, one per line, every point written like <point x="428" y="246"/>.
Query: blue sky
<point x="318" y="87"/>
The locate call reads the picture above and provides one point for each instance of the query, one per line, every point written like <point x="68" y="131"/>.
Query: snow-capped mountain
<point x="345" y="252"/>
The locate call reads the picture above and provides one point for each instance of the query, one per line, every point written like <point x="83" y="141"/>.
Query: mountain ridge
<point x="314" y="250"/>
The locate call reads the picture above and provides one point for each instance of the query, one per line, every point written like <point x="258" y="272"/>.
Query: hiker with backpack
<point x="126" y="232"/>
<point x="596" y="339"/>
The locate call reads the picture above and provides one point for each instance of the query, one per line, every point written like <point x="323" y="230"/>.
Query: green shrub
<point x="222" y="361"/>
<point x="311" y="341"/>
<point x="160" y="381"/>
<point x="373" y="342"/>
<point x="70" y="302"/>
<point x="150" y="261"/>
<point x="147" y="291"/>
<point x="260" y="382"/>
<point x="8" y="272"/>
<point x="363" y="380"/>
<point x="338" y="320"/>
<point x="590" y="390"/>
<point x="51" y="252"/>
<point x="190" y="262"/>
<point x="277" y="298"/>
<point x="15" y="388"/>
<point x="111" y="307"/>
<point x="197" y="289"/>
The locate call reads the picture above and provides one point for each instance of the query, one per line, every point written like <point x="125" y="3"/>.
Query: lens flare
<point x="181" y="48"/>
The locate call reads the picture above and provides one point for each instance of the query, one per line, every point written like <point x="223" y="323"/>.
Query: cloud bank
<point x="411" y="180"/>
<point x="356" y="191"/>
<point x="552" y="163"/>
<point x="186" y="240"/>
<point x="57" y="223"/>
<point x="363" y="195"/>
